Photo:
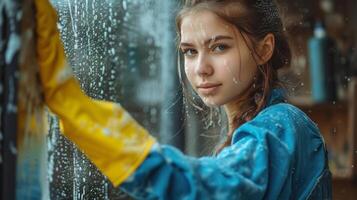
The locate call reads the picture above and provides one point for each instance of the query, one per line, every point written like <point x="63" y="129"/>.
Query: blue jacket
<point x="280" y="154"/>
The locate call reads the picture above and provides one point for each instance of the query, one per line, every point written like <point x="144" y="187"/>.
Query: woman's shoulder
<point x="282" y="107"/>
<point x="285" y="113"/>
<point x="282" y="121"/>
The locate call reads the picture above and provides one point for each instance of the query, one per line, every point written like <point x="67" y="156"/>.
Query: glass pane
<point x="120" y="51"/>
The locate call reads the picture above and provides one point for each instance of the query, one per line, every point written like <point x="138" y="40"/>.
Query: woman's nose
<point x="204" y="66"/>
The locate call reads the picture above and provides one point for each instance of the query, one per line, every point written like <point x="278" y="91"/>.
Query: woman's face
<point x="218" y="63"/>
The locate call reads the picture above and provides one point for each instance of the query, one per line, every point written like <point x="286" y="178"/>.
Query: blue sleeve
<point x="261" y="152"/>
<point x="168" y="174"/>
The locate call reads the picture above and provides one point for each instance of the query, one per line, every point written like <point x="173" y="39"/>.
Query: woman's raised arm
<point x="104" y="131"/>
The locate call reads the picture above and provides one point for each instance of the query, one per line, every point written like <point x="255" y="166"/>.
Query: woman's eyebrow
<point x="208" y="41"/>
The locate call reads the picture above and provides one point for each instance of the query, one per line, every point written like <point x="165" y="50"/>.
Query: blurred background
<point x="125" y="51"/>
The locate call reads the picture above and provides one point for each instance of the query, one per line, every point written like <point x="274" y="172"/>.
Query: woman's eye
<point x="220" y="48"/>
<point x="189" y="52"/>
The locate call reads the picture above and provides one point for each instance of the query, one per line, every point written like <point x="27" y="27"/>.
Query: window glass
<point x="120" y="51"/>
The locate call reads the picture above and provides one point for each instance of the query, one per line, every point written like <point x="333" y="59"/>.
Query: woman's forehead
<point x="203" y="25"/>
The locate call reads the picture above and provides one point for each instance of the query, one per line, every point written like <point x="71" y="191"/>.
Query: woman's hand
<point x="104" y="131"/>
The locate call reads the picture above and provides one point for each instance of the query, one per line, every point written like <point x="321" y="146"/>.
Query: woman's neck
<point x="232" y="110"/>
<point x="235" y="108"/>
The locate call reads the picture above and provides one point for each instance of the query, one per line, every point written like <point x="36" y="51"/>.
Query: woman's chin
<point x="211" y="102"/>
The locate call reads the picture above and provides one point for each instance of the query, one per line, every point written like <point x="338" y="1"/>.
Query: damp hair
<point x="253" y="19"/>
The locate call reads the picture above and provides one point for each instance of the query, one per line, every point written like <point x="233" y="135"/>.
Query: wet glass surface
<point x="118" y="51"/>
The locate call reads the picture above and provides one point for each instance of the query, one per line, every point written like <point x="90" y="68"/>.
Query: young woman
<point x="232" y="50"/>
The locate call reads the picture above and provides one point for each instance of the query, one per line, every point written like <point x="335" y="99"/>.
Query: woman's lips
<point x="208" y="88"/>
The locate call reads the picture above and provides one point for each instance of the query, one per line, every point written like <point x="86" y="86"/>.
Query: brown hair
<point x="255" y="19"/>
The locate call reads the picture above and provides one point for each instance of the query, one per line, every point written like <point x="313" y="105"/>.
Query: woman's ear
<point x="266" y="48"/>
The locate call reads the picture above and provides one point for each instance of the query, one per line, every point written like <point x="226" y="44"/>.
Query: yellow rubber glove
<point x="104" y="131"/>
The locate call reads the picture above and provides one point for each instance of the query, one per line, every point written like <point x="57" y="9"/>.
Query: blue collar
<point x="277" y="95"/>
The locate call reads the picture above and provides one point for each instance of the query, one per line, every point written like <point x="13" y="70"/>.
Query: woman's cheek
<point x="188" y="71"/>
